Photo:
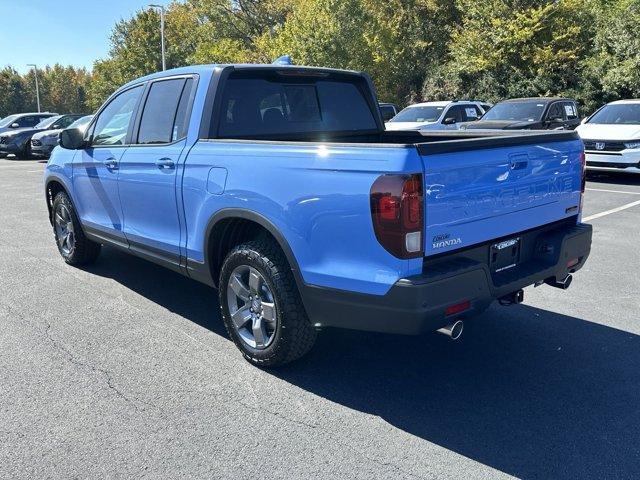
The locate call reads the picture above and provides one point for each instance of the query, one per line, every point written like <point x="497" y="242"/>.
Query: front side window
<point x="617" y="114"/>
<point x="454" y="112"/>
<point x="556" y="112"/>
<point x="113" y="122"/>
<point x="160" y="115"/>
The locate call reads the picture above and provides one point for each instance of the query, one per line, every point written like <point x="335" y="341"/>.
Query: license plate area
<point x="504" y="255"/>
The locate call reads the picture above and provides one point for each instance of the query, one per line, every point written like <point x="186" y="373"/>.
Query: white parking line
<point x="613" y="210"/>
<point x="611" y="191"/>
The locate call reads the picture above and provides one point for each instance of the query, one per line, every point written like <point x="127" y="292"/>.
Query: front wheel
<point x="261" y="305"/>
<point x="75" y="248"/>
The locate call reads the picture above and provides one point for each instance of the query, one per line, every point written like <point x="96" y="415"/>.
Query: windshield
<point x="516" y="111"/>
<point x="8" y="120"/>
<point x="618" y="114"/>
<point x="418" y="114"/>
<point x="81" y="122"/>
<point x="47" y="122"/>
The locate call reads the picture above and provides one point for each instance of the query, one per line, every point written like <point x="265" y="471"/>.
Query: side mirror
<point x="14" y="125"/>
<point x="72" y="139"/>
<point x="449" y="121"/>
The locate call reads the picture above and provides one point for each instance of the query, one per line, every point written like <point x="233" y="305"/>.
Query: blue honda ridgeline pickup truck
<point x="280" y="186"/>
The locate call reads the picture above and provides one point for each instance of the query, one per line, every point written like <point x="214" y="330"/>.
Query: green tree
<point x="516" y="48"/>
<point x="12" y="92"/>
<point x="613" y="71"/>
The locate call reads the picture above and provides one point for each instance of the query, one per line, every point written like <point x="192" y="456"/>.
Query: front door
<point x="95" y="169"/>
<point x="147" y="177"/>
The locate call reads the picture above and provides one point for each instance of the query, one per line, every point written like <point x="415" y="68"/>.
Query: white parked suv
<point x="437" y="115"/>
<point x="611" y="137"/>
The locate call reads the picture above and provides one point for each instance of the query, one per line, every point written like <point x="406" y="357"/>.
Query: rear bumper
<point x="417" y="304"/>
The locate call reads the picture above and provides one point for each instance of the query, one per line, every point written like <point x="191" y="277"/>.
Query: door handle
<point x="165" y="163"/>
<point x="111" y="163"/>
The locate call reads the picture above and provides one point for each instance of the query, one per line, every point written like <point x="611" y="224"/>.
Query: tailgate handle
<point x="518" y="162"/>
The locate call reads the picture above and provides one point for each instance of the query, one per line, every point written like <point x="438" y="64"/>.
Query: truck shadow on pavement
<point x="530" y="392"/>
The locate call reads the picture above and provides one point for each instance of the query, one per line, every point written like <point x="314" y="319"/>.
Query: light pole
<point x="161" y="7"/>
<point x="35" y="72"/>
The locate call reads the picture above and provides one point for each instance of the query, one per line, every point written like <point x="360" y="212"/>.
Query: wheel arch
<point x="231" y="226"/>
<point x="54" y="186"/>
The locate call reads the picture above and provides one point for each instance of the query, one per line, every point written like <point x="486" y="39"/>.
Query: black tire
<point x="26" y="153"/>
<point x="81" y="251"/>
<point x="293" y="336"/>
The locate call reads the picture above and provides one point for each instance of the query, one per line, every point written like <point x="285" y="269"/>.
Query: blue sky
<point x="70" y="32"/>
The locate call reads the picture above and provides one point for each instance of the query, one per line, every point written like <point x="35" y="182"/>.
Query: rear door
<point x="481" y="193"/>
<point x="147" y="174"/>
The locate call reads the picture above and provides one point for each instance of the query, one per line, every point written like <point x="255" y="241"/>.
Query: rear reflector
<point x="458" y="308"/>
<point x="573" y="262"/>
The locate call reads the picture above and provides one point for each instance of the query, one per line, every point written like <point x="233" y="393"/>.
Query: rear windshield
<point x="272" y="104"/>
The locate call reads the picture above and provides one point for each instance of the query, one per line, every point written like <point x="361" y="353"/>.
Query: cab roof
<point x="538" y="99"/>
<point x="207" y="69"/>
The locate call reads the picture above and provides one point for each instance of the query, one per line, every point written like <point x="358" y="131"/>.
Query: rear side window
<point x="29" y="121"/>
<point x="388" y="112"/>
<point x="571" y="110"/>
<point x="470" y="113"/>
<point x="273" y="105"/>
<point x="164" y="114"/>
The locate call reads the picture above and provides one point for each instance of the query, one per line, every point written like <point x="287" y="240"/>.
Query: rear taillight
<point x="397" y="213"/>
<point x="583" y="162"/>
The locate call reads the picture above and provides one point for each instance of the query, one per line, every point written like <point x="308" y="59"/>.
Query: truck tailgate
<point x="483" y="189"/>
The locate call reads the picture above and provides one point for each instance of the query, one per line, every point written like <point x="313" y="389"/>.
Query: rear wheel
<point x="75" y="248"/>
<point x="261" y="305"/>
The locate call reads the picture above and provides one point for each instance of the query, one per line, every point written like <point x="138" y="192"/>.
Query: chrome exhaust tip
<point x="453" y="330"/>
<point x="562" y="284"/>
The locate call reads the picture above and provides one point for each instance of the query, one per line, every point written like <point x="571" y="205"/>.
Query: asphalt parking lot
<point x="124" y="370"/>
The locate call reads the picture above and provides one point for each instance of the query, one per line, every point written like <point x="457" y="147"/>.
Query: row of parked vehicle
<point x="611" y="135"/>
<point x="28" y="135"/>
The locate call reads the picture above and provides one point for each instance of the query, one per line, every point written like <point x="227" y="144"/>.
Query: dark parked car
<point x="388" y="111"/>
<point x="18" y="141"/>
<point x="529" y="114"/>
<point x="23" y="120"/>
<point x="43" y="143"/>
